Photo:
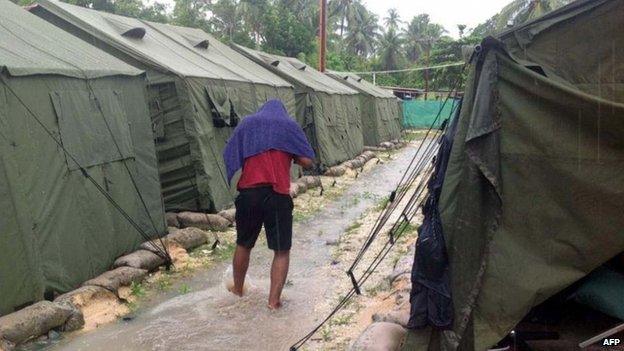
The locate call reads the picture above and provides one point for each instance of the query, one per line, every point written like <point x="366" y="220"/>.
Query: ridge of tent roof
<point x="291" y="68"/>
<point x="161" y="48"/>
<point x="220" y="54"/>
<point x="31" y="46"/>
<point x="362" y="85"/>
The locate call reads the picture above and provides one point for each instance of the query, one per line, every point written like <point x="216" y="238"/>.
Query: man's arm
<point x="304" y="162"/>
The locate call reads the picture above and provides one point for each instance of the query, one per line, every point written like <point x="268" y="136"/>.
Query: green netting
<point x="422" y="113"/>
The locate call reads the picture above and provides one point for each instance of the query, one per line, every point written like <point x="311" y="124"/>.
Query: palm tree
<point x="391" y="50"/>
<point x="421" y="36"/>
<point x="345" y="11"/>
<point x="305" y="11"/>
<point x="362" y="35"/>
<point x="521" y="11"/>
<point x="414" y="35"/>
<point x="461" y="28"/>
<point x="225" y="19"/>
<point x="251" y="12"/>
<point x="393" y="20"/>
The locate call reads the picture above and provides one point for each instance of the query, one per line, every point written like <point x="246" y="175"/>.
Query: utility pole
<point x="322" y="35"/>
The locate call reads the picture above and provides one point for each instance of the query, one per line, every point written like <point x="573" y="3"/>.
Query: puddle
<point x="210" y="318"/>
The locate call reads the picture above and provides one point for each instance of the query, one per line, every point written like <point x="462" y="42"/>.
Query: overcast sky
<point x="448" y="13"/>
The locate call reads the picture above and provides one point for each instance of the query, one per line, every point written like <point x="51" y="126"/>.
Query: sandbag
<point x="188" y="238"/>
<point x="33" y="321"/>
<point x="295" y="189"/>
<point x="172" y="220"/>
<point x="312" y="182"/>
<point x="336" y="171"/>
<point x="399" y="315"/>
<point x="122" y="276"/>
<point x="373" y="148"/>
<point x="380" y="336"/>
<point x="369" y="155"/>
<point x="357" y="163"/>
<point x="303" y="186"/>
<point x="229" y="214"/>
<point x="156" y="245"/>
<point x="143" y="259"/>
<point x="404" y="266"/>
<point x="203" y="221"/>
<point x="6" y="345"/>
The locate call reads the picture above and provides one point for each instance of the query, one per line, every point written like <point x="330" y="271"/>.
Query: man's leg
<point x="248" y="226"/>
<point x="278" y="223"/>
<point x="279" y="272"/>
<point x="240" y="264"/>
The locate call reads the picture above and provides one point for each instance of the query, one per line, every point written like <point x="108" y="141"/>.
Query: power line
<point x="406" y="69"/>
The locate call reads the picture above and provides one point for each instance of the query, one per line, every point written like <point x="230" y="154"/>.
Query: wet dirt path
<point x="210" y="318"/>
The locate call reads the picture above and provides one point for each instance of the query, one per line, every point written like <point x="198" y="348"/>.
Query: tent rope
<point x="399" y="228"/>
<point x="163" y="254"/>
<point x="167" y="257"/>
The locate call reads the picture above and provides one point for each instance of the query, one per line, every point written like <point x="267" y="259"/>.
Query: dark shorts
<point x="258" y="206"/>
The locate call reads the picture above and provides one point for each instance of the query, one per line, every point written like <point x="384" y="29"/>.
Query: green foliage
<point x="191" y="13"/>
<point x="521" y="11"/>
<point x="137" y="289"/>
<point x="391" y="55"/>
<point x="285" y="34"/>
<point x="184" y="289"/>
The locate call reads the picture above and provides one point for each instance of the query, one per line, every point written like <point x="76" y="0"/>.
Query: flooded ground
<point x="210" y="318"/>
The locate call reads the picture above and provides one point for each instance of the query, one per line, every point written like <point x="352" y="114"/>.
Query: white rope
<point x="406" y="70"/>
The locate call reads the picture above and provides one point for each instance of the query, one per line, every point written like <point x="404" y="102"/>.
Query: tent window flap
<point x="91" y="123"/>
<point x="221" y="107"/>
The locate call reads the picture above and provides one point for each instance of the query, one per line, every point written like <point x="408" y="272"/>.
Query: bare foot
<point x="230" y="288"/>
<point x="274" y="306"/>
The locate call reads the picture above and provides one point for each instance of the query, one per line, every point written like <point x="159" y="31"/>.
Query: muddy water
<point x="210" y="318"/>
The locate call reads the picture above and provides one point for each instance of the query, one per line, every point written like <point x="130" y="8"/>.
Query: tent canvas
<point x="198" y="89"/>
<point x="381" y="118"/>
<point x="56" y="229"/>
<point x="534" y="191"/>
<point x="329" y="111"/>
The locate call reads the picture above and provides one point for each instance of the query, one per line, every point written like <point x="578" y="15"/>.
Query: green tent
<point x="381" y="114"/>
<point x="199" y="88"/>
<point x="533" y="195"/>
<point x="56" y="229"/>
<point x="329" y="111"/>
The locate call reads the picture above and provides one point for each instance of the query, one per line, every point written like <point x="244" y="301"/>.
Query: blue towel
<point x="270" y="128"/>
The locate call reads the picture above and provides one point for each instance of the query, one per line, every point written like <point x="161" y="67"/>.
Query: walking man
<point x="264" y="145"/>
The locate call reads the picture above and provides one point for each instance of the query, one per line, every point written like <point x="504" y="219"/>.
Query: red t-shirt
<point x="268" y="168"/>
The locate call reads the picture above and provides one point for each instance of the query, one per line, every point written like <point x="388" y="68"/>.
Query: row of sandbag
<point x="65" y="312"/>
<point x="187" y="230"/>
<point x="356" y="163"/>
<point x="386" y="146"/>
<point x="389" y="328"/>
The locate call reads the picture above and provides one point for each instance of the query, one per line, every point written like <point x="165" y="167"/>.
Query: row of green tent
<point x="533" y="195"/>
<point x="108" y="121"/>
